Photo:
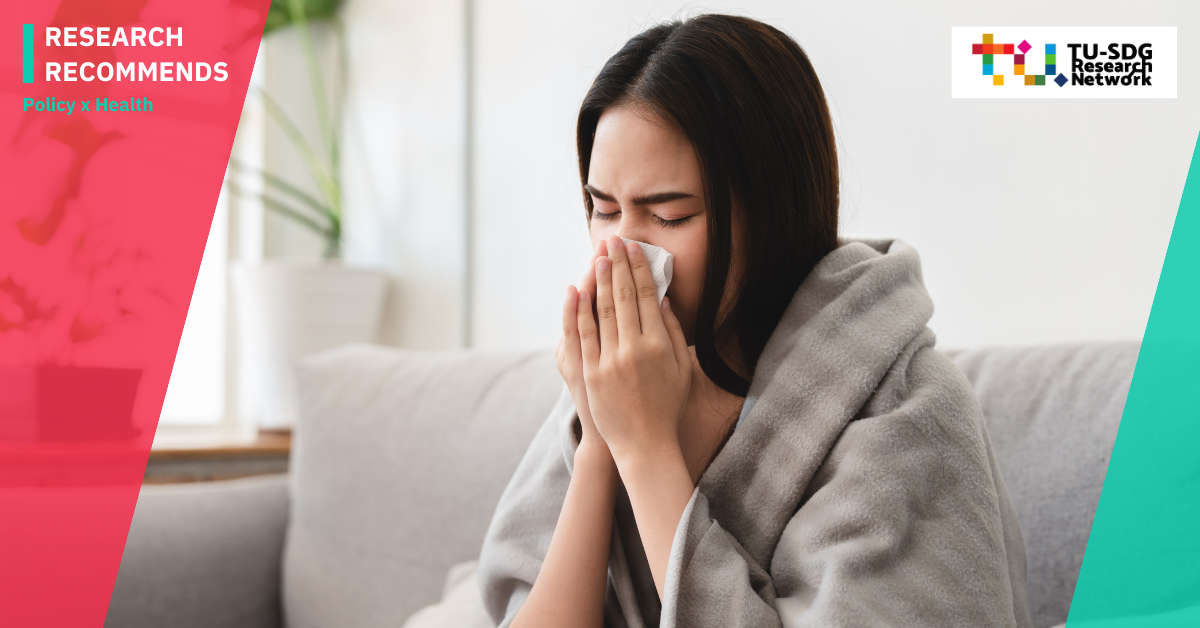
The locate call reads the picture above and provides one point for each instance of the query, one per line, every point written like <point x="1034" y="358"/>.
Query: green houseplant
<point x="287" y="309"/>
<point x="322" y="214"/>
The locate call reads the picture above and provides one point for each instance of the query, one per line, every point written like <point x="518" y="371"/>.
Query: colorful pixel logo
<point x="989" y="50"/>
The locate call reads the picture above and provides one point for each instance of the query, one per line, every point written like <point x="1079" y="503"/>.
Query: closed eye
<point x="662" y="222"/>
<point x="600" y="198"/>
<point x="674" y="222"/>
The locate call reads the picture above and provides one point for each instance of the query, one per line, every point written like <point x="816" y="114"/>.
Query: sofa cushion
<point x="203" y="555"/>
<point x="399" y="459"/>
<point x="1053" y="413"/>
<point x="461" y="605"/>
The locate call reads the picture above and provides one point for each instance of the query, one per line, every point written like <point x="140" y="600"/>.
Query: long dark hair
<point x="747" y="98"/>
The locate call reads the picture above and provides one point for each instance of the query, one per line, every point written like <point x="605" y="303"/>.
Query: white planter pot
<point x="286" y="310"/>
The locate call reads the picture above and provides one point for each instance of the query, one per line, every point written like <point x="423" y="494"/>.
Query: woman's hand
<point x="629" y="372"/>
<point x="569" y="590"/>
<point x="636" y="366"/>
<point x="570" y="358"/>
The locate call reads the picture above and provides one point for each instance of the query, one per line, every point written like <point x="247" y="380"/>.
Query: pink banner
<point x="118" y="120"/>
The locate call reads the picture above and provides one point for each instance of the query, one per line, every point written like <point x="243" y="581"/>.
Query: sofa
<point x="400" y="456"/>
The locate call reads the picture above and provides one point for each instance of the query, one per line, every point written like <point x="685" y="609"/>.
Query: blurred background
<point x="454" y="186"/>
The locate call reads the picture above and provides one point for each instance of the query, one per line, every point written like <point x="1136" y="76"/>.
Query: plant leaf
<point x="320" y="98"/>
<point x="285" y="187"/>
<point x="280" y="17"/>
<point x="286" y="210"/>
<point x="329" y="187"/>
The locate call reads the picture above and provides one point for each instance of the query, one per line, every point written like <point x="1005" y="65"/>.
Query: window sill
<point x="181" y="454"/>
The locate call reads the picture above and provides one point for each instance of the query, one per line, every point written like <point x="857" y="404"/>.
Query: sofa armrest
<point x="205" y="554"/>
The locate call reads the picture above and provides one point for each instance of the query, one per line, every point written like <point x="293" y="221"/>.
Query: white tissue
<point x="661" y="266"/>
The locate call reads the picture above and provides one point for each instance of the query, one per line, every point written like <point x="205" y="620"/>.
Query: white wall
<point x="1037" y="220"/>
<point x="403" y="166"/>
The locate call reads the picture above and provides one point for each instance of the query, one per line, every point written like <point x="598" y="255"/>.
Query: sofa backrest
<point x="398" y="462"/>
<point x="1053" y="413"/>
<point x="401" y="456"/>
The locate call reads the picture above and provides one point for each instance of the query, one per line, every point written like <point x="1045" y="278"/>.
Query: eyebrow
<point x="648" y="199"/>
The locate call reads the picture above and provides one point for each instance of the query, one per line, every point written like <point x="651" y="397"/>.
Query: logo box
<point x="1063" y="61"/>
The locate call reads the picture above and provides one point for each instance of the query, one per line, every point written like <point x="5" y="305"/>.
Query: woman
<point x="776" y="443"/>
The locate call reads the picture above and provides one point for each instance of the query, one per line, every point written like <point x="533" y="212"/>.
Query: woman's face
<point x="645" y="185"/>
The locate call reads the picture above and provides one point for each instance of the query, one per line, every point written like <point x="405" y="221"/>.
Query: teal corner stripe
<point x="27" y="53"/>
<point x="1142" y="565"/>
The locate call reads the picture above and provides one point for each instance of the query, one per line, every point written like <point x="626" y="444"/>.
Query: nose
<point x="630" y="231"/>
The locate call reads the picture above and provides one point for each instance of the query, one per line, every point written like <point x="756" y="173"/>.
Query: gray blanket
<point x="860" y="489"/>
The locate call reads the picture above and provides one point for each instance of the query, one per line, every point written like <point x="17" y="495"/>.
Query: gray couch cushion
<point x="1053" y="413"/>
<point x="203" y="555"/>
<point x="398" y="462"/>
